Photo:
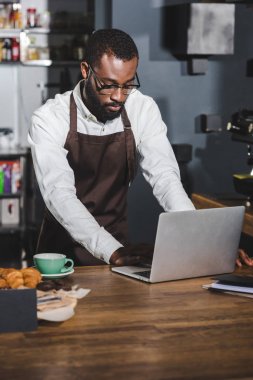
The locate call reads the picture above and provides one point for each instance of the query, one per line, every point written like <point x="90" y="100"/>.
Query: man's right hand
<point x="133" y="255"/>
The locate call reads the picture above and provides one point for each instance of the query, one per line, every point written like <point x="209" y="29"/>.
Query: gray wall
<point x="182" y="98"/>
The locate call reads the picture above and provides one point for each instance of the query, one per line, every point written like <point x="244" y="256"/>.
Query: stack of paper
<point x="232" y="284"/>
<point x="58" y="305"/>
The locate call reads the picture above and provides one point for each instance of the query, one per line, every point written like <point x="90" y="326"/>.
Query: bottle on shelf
<point x="1" y="180"/>
<point x="6" y="50"/>
<point x="18" y="22"/>
<point x="5" y="11"/>
<point x="15" y="16"/>
<point x="7" y="177"/>
<point x="3" y="16"/>
<point x="31" y="18"/>
<point x="1" y="49"/>
<point x="16" y="177"/>
<point x="15" y="50"/>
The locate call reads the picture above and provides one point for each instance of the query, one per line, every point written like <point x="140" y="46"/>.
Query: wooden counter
<point x="126" y="329"/>
<point x="208" y="201"/>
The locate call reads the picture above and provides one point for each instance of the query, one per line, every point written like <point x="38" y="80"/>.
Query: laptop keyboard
<point x="145" y="273"/>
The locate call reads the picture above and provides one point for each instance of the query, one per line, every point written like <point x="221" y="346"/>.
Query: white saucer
<point x="54" y="276"/>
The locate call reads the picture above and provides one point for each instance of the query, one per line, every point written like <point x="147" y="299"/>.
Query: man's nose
<point x="117" y="95"/>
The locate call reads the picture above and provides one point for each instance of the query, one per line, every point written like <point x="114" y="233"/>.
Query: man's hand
<point x="243" y="258"/>
<point x="133" y="255"/>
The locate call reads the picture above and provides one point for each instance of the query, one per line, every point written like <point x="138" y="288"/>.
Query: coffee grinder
<point x="241" y="127"/>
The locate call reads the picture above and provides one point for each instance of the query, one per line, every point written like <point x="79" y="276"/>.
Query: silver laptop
<point x="192" y="244"/>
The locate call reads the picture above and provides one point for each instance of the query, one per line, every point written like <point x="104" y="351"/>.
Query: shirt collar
<point x="86" y="114"/>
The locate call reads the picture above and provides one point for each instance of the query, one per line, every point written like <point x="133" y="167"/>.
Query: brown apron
<point x="103" y="167"/>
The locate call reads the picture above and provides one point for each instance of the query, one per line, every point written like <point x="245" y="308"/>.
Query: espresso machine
<point x="241" y="127"/>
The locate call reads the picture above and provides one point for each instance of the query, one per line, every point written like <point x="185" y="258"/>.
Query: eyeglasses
<point x="108" y="89"/>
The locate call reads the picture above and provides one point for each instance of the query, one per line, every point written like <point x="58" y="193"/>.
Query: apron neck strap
<point x="130" y="146"/>
<point x="125" y="119"/>
<point x="73" y="114"/>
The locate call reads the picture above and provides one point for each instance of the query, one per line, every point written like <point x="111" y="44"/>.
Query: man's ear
<point x="84" y="69"/>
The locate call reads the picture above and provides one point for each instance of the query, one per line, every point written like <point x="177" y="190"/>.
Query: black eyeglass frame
<point x="114" y="87"/>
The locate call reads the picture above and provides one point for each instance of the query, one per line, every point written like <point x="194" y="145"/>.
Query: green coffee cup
<point x="52" y="263"/>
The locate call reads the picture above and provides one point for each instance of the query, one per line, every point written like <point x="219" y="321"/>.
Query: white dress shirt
<point x="47" y="136"/>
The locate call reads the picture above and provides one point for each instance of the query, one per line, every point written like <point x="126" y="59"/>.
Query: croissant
<point x="5" y="271"/>
<point x="31" y="277"/>
<point x="14" y="279"/>
<point x="3" y="284"/>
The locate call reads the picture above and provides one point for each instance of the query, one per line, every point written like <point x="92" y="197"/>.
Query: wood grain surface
<point x="126" y="329"/>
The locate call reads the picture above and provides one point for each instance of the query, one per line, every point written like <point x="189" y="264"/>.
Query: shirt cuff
<point x="109" y="246"/>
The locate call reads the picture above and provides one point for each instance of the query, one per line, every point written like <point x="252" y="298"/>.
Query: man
<point x="85" y="146"/>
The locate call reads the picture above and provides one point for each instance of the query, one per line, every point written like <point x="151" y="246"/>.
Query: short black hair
<point x="113" y="42"/>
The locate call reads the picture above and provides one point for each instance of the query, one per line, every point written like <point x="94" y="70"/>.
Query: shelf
<point x="40" y="30"/>
<point x="9" y="63"/>
<point x="25" y="37"/>
<point x="41" y="63"/>
<point x="10" y="33"/>
<point x="38" y="62"/>
<point x="37" y="30"/>
<point x="10" y="2"/>
<point x="49" y="62"/>
<point x="10" y="195"/>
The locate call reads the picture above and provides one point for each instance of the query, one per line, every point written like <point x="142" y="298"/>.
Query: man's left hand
<point x="133" y="254"/>
<point x="243" y="258"/>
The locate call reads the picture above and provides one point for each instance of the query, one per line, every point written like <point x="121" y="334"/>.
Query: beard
<point x="96" y="108"/>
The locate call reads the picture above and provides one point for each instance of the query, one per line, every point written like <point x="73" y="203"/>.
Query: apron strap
<point x="73" y="114"/>
<point x="130" y="146"/>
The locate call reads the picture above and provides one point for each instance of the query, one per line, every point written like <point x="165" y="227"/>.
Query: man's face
<point x="111" y="71"/>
